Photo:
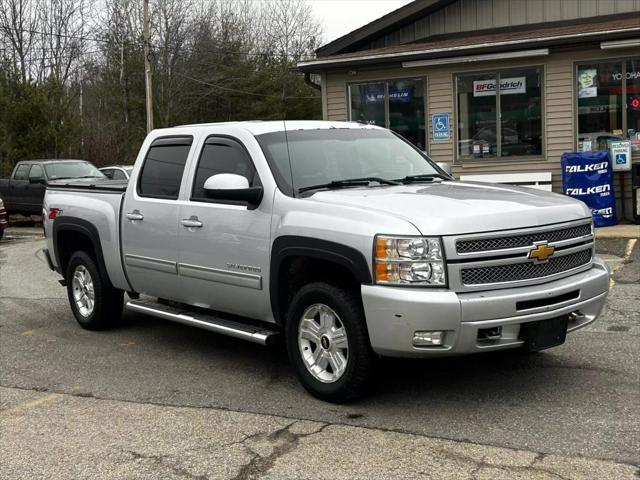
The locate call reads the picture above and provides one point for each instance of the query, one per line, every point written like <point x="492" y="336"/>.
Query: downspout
<point x="311" y="83"/>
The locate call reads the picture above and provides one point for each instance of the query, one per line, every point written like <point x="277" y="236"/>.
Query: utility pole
<point x="147" y="68"/>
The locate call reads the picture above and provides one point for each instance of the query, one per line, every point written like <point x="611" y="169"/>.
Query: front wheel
<point x="95" y="305"/>
<point x="328" y="342"/>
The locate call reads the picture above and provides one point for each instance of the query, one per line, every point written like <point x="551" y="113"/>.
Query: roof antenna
<point x="286" y="138"/>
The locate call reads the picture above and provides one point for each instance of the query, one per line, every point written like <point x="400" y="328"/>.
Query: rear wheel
<point x="328" y="342"/>
<point x="95" y="305"/>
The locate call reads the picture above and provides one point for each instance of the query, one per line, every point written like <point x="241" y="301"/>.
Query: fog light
<point x="428" y="339"/>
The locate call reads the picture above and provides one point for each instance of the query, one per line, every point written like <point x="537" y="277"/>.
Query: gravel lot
<point x="154" y="399"/>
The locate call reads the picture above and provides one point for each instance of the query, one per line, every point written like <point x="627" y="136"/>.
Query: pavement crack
<point x="479" y="465"/>
<point x="164" y="461"/>
<point x="283" y="441"/>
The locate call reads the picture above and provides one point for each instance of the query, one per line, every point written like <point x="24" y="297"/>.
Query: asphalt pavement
<point x="154" y="399"/>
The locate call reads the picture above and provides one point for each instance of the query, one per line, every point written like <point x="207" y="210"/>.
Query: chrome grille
<point x="522" y="240"/>
<point x="514" y="272"/>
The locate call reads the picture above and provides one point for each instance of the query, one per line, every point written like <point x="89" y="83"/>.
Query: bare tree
<point x="63" y="28"/>
<point x="290" y="30"/>
<point x="19" y="20"/>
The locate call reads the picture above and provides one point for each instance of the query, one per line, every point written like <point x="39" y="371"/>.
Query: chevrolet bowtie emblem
<point x="541" y="252"/>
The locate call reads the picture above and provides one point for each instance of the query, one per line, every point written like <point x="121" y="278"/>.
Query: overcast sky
<point x="338" y="17"/>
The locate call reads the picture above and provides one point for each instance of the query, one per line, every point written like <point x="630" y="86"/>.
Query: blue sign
<point x="588" y="176"/>
<point x="440" y="126"/>
<point x="400" y="95"/>
<point x="621" y="158"/>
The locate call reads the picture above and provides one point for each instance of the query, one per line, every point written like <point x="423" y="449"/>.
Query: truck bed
<point x="97" y="204"/>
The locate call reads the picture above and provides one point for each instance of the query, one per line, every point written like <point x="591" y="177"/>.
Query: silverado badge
<point x="541" y="252"/>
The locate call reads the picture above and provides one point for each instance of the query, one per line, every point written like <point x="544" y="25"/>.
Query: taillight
<point x="53" y="213"/>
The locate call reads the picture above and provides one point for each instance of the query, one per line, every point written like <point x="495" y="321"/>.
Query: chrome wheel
<point x="323" y="343"/>
<point x="83" y="293"/>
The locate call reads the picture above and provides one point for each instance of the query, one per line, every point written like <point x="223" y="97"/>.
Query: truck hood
<point x="452" y="208"/>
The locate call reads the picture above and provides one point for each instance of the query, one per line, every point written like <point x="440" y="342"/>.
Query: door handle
<point x="135" y="216"/>
<point x="192" y="222"/>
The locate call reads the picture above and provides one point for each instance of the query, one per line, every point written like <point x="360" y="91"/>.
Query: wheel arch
<point x="71" y="234"/>
<point x="342" y="263"/>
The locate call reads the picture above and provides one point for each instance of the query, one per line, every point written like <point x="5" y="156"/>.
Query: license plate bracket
<point x="544" y="334"/>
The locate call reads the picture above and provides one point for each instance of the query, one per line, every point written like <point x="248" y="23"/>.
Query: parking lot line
<point x="29" y="405"/>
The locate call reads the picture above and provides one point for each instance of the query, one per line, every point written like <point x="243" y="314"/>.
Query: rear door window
<point x="108" y="172"/>
<point x="163" y="168"/>
<point x="22" y="172"/>
<point x="222" y="155"/>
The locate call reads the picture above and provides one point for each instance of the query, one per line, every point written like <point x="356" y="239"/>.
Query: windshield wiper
<point x="74" y="178"/>
<point x="349" y="182"/>
<point x="421" y="178"/>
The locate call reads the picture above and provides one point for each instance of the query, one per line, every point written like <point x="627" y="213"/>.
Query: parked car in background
<point x="24" y="190"/>
<point x="3" y="219"/>
<point x="117" y="172"/>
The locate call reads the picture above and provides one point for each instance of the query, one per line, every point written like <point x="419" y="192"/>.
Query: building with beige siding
<point x="511" y="84"/>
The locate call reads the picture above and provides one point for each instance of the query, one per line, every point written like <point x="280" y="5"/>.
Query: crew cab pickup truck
<point x="24" y="190"/>
<point x="341" y="238"/>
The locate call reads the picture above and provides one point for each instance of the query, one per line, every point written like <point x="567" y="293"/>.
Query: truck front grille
<point x="522" y="240"/>
<point x="514" y="272"/>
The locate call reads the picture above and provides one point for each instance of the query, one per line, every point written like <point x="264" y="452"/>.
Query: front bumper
<point x="393" y="314"/>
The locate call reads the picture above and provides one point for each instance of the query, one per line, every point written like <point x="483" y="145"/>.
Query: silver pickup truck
<point x="341" y="238"/>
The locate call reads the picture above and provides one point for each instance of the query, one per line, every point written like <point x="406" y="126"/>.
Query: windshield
<point x="72" y="170"/>
<point x="329" y="155"/>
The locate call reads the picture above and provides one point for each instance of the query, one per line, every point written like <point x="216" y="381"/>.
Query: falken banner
<point x="588" y="176"/>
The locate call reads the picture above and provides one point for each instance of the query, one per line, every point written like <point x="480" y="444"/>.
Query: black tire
<point x="107" y="306"/>
<point x="356" y="379"/>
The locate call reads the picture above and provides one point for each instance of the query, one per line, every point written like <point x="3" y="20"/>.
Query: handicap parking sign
<point x="620" y="155"/>
<point x="440" y="126"/>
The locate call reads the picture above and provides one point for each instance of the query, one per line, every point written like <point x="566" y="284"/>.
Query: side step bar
<point x="207" y="322"/>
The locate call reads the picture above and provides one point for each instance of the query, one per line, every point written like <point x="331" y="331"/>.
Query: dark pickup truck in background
<point x="24" y="190"/>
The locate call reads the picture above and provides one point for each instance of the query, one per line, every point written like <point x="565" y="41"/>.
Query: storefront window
<point x="500" y="114"/>
<point x="395" y="104"/>
<point x="367" y="103"/>
<point x="632" y="76"/>
<point x="608" y="103"/>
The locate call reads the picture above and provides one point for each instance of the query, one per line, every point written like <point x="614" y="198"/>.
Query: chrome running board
<point x="250" y="333"/>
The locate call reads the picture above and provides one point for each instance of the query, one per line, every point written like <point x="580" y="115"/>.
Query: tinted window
<point x="36" y="172"/>
<point x="108" y="172"/>
<point x="22" y="172"/>
<point x="118" y="175"/>
<point x="222" y="156"/>
<point x="162" y="171"/>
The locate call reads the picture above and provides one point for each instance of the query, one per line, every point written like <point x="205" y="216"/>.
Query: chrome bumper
<point x="394" y="314"/>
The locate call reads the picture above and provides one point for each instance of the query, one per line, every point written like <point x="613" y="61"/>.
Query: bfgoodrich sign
<point x="485" y="88"/>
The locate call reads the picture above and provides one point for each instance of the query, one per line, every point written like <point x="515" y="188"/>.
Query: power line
<point x="244" y="92"/>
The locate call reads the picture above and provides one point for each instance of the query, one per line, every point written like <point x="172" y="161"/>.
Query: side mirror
<point x="33" y="180"/>
<point x="232" y="187"/>
<point x="446" y="167"/>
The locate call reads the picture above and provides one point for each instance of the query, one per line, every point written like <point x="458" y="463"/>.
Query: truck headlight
<point x="409" y="261"/>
